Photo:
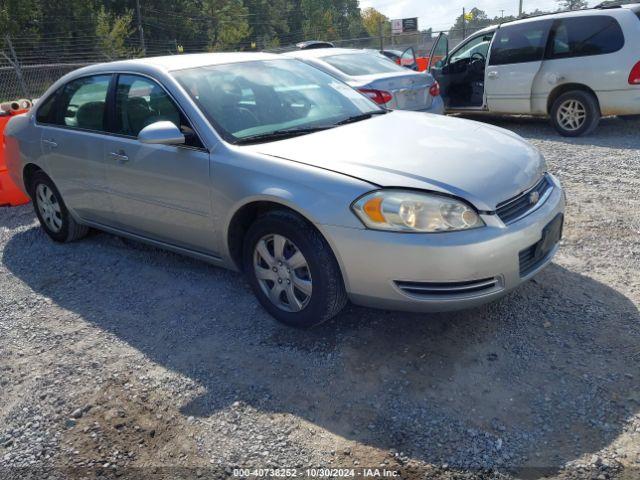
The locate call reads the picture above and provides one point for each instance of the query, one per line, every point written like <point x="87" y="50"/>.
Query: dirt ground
<point x="121" y="360"/>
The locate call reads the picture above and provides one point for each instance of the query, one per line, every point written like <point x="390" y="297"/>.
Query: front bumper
<point x="372" y="262"/>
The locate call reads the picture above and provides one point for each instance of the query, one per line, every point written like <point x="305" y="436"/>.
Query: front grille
<point x="450" y="289"/>
<point x="522" y="204"/>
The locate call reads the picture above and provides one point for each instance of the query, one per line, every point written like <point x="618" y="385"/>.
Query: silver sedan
<point x="267" y="165"/>
<point x="378" y="77"/>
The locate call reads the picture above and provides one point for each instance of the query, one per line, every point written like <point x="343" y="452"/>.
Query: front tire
<point x="52" y="212"/>
<point x="292" y="270"/>
<point x="575" y="113"/>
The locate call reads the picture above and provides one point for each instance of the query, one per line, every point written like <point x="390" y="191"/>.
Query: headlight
<point x="407" y="211"/>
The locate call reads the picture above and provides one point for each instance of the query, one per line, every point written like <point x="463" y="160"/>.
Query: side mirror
<point x="161" y="133"/>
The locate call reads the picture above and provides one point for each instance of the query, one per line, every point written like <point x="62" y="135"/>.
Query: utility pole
<point x="464" y="23"/>
<point x="501" y="14"/>
<point x="381" y="30"/>
<point x="520" y="10"/>
<point x="140" y="29"/>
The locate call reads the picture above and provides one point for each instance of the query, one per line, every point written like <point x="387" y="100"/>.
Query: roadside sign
<point x="404" y="25"/>
<point x="409" y="25"/>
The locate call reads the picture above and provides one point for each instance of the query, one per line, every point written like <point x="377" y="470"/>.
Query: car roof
<point x="322" y="52"/>
<point x="634" y="7"/>
<point x="181" y="62"/>
<point x="571" y="13"/>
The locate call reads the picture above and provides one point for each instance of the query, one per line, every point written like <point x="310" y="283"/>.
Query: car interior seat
<point x="91" y="116"/>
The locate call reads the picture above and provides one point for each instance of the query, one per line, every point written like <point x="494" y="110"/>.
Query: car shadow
<point x="535" y="380"/>
<point x="612" y="132"/>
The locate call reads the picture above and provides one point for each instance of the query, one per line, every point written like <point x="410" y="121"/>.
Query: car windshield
<point x="359" y="64"/>
<point x="261" y="98"/>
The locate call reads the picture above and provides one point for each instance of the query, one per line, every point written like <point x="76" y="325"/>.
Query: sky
<point x="441" y="14"/>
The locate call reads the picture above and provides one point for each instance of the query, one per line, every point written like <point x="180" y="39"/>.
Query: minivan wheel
<point x="575" y="113"/>
<point x="292" y="270"/>
<point x="51" y="211"/>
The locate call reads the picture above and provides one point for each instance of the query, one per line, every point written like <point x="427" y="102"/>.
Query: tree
<point x="476" y="19"/>
<point x="331" y="19"/>
<point x="227" y="23"/>
<point x="113" y="31"/>
<point x="572" y="4"/>
<point x="268" y="21"/>
<point x="372" y="19"/>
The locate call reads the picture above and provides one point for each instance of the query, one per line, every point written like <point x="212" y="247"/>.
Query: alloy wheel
<point x="49" y="207"/>
<point x="283" y="273"/>
<point x="572" y="115"/>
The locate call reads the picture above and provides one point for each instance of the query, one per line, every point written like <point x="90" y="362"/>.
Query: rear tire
<point x="292" y="270"/>
<point x="575" y="113"/>
<point x="52" y="212"/>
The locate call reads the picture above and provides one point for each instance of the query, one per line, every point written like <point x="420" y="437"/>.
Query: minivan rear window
<point x="584" y="36"/>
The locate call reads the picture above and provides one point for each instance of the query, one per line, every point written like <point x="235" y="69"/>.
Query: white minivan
<point x="574" y="67"/>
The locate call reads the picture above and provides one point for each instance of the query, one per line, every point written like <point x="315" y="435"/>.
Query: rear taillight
<point x="634" y="76"/>
<point x="379" y="96"/>
<point x="434" y="90"/>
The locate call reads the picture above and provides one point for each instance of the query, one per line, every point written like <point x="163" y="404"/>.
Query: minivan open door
<point x="439" y="50"/>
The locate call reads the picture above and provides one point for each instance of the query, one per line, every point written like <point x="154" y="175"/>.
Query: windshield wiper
<point x="363" y="116"/>
<point x="280" y="134"/>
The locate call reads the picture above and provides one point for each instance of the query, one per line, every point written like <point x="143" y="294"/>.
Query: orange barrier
<point x="10" y="194"/>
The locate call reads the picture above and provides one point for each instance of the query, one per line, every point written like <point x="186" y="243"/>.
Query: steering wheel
<point x="477" y="62"/>
<point x="478" y="56"/>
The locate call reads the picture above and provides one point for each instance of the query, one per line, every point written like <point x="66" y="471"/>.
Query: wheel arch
<point x="27" y="175"/>
<point x="569" y="87"/>
<point x="246" y="214"/>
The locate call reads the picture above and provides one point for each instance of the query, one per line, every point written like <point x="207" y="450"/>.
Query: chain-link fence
<point x="30" y="81"/>
<point x="27" y="74"/>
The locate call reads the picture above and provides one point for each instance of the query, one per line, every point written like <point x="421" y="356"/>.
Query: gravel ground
<point x="117" y="359"/>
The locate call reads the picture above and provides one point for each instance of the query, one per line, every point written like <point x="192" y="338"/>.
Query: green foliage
<point x="372" y="19"/>
<point x="476" y="19"/>
<point x="97" y="30"/>
<point x="331" y="19"/>
<point x="112" y="31"/>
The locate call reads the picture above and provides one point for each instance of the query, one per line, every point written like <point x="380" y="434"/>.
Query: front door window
<point x="141" y="102"/>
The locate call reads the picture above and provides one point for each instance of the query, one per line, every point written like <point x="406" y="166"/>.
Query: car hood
<point x="482" y="164"/>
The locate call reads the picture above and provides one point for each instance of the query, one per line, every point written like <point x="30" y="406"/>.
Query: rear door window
<point x="83" y="103"/>
<point x="520" y="43"/>
<point x="46" y="110"/>
<point x="584" y="36"/>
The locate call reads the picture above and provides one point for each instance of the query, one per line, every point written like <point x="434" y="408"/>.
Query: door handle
<point x="120" y="156"/>
<point x="492" y="74"/>
<point x="50" y="143"/>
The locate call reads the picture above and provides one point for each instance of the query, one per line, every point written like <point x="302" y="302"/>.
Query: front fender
<point x="321" y="196"/>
